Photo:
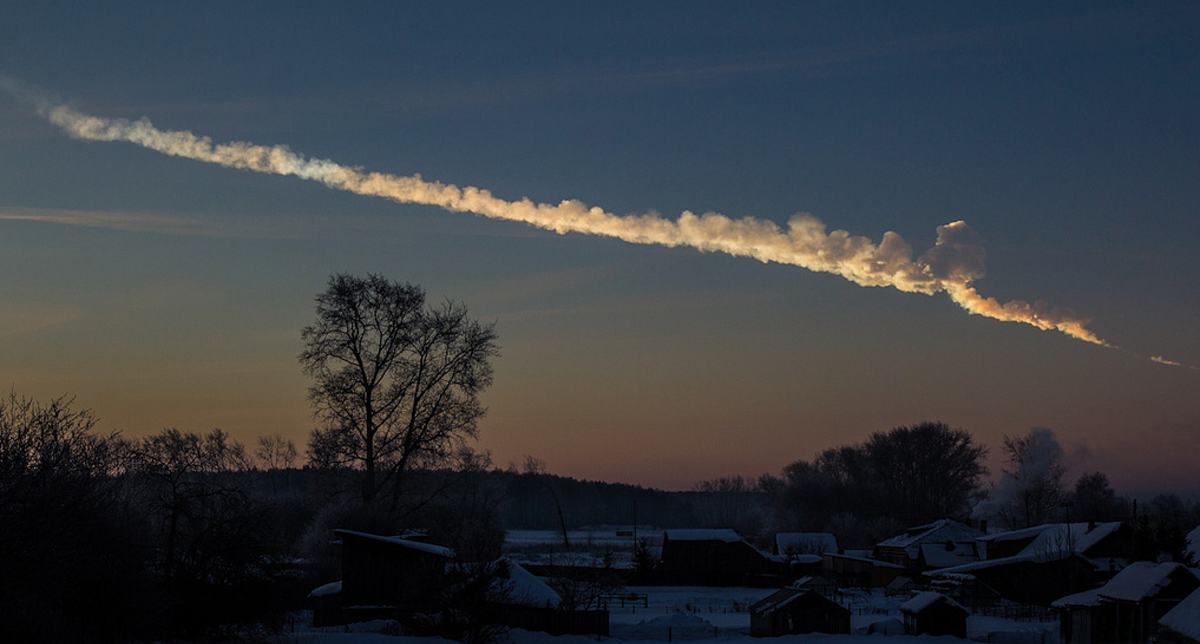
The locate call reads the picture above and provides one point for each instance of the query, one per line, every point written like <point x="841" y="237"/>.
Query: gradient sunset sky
<point x="169" y="292"/>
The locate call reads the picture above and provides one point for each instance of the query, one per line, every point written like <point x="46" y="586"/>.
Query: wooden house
<point x="1041" y="564"/>
<point x="860" y="572"/>
<point x="719" y="557"/>
<point x="796" y="611"/>
<point x="905" y="549"/>
<point x="380" y="576"/>
<point x="931" y="613"/>
<point x="1130" y="606"/>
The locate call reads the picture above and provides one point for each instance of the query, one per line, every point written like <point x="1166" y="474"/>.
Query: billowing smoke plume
<point x="1031" y="489"/>
<point x="952" y="265"/>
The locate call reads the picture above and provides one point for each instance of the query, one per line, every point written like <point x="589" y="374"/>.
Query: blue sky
<point x="163" y="291"/>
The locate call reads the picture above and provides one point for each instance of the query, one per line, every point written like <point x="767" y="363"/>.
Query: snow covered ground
<point x="690" y="614"/>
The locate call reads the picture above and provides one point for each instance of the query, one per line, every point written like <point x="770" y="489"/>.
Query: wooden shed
<point x="719" y="557"/>
<point x="931" y="613"/>
<point x="794" y="611"/>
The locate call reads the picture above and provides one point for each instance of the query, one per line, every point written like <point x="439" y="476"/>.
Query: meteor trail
<point x="954" y="262"/>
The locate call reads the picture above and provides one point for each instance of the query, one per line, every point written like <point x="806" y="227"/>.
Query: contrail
<point x="954" y="262"/>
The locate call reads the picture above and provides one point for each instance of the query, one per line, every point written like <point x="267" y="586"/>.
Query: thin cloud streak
<point x="951" y="266"/>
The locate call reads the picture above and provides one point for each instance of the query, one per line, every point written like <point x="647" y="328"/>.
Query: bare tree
<point x="395" y="382"/>
<point x="275" y="452"/>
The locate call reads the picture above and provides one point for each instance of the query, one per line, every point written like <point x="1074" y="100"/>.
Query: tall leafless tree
<point x="396" y="383"/>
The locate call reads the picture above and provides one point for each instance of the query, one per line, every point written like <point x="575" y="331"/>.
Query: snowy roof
<point x="776" y="600"/>
<point x="877" y="563"/>
<point x="942" y="530"/>
<point x="332" y="588"/>
<point x="1051" y="538"/>
<point x="785" y="596"/>
<point x="1185" y="617"/>
<point x="1002" y="561"/>
<point x="805" y="543"/>
<point x="924" y="600"/>
<point x="526" y="589"/>
<point x="806" y="559"/>
<point x="937" y="556"/>
<point x="1085" y="598"/>
<point x="725" y="535"/>
<point x="1142" y="579"/>
<point x="440" y="551"/>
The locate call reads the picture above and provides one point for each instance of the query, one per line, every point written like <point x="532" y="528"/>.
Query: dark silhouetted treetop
<point x="395" y="381"/>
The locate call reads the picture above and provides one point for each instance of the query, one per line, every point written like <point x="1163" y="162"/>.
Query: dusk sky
<point x="164" y="291"/>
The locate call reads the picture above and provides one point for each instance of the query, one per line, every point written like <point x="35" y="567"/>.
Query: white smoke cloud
<point x="954" y="262"/>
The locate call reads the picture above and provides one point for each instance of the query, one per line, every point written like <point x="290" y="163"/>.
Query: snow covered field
<point x="690" y="614"/>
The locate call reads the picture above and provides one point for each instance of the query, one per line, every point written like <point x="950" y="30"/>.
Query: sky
<point x="768" y="228"/>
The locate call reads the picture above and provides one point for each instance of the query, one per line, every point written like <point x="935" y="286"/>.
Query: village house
<point x="379" y="574"/>
<point x="851" y="571"/>
<point x="1129" y="607"/>
<point x="717" y="557"/>
<point x="932" y="613"/>
<point x="791" y="611"/>
<point x="400" y="578"/>
<point x="943" y="536"/>
<point x="1040" y="564"/>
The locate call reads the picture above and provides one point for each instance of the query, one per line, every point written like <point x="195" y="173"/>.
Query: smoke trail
<point x="955" y="261"/>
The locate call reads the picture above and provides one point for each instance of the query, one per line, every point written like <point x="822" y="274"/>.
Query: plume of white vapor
<point x="954" y="262"/>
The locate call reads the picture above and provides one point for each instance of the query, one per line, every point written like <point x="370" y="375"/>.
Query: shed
<point x="718" y="557"/>
<point x="931" y="613"/>
<point x="795" y="611"/>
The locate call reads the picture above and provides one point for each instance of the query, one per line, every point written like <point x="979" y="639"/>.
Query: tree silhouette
<point x="396" y="382"/>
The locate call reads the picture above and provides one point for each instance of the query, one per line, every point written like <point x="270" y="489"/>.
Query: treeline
<point x="187" y="535"/>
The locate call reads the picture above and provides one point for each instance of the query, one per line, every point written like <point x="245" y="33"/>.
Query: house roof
<point x="942" y="530"/>
<point x="936" y="555"/>
<point x="1053" y="538"/>
<point x="332" y="588"/>
<point x="1085" y="598"/>
<point x="785" y="596"/>
<point x="1185" y="617"/>
<point x="924" y="600"/>
<point x="429" y="548"/>
<point x="1143" y="579"/>
<point x="877" y="563"/>
<point x="805" y="542"/>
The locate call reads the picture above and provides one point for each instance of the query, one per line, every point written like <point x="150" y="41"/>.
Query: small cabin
<point x="930" y="613"/>
<point x="792" y="611"/>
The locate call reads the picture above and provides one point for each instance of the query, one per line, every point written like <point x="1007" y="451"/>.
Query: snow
<point x="937" y="556"/>
<point x="720" y="616"/>
<point x="440" y="551"/>
<point x="924" y="600"/>
<point x="1052" y="540"/>
<point x="332" y="588"/>
<point x="1141" y="580"/>
<point x="941" y="531"/>
<point x="1185" y="617"/>
<point x="1085" y="598"/>
<point x="528" y="590"/>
